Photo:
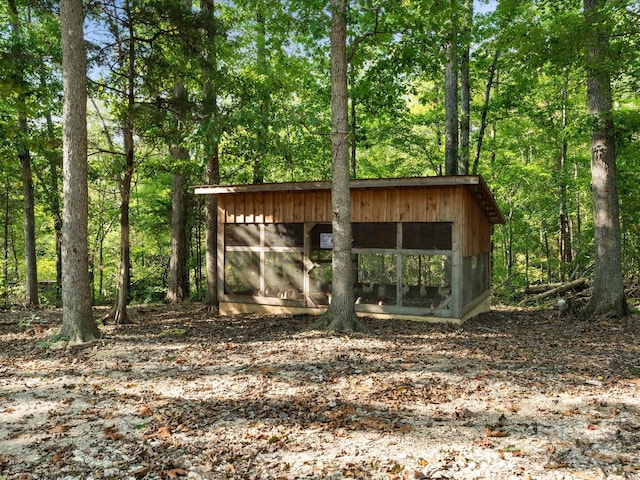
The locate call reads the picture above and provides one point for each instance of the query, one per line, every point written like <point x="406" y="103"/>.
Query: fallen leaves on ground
<point x="184" y="394"/>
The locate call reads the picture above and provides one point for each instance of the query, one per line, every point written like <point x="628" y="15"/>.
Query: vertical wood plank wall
<point x="437" y="204"/>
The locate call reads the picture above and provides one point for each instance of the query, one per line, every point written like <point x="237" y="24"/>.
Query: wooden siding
<point x="435" y="204"/>
<point x="379" y="205"/>
<point x="476" y="227"/>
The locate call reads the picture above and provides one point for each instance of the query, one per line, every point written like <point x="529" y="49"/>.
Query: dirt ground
<point x="183" y="394"/>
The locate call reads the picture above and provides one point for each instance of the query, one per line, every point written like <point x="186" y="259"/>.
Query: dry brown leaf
<point x="484" y="443"/>
<point x="490" y="432"/>
<point x="176" y="472"/>
<point x="143" y="472"/>
<point x="144" y="411"/>
<point x="112" y="433"/>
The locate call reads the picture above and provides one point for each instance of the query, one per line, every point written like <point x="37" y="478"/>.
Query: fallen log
<point x="555" y="291"/>
<point x="540" y="288"/>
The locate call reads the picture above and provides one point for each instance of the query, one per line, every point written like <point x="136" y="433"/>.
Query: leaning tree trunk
<point x="341" y="314"/>
<point x="78" y="324"/>
<point x="607" y="296"/>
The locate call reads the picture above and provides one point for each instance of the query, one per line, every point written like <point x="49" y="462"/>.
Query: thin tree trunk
<point x="5" y="244"/>
<point x="119" y="311"/>
<point x="52" y="190"/>
<point x="263" y="100"/>
<point x="212" y="170"/>
<point x="24" y="156"/>
<point x="354" y="139"/>
<point x="564" y="238"/>
<point x="32" y="299"/>
<point x="465" y="89"/>
<point x="78" y="324"/>
<point x="451" y="95"/>
<point x="607" y="296"/>
<point x="341" y="313"/>
<point x="485" y="111"/>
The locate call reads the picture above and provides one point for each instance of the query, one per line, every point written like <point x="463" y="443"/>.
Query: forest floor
<point x="514" y="393"/>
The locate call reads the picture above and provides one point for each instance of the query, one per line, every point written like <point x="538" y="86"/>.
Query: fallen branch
<point x="555" y="291"/>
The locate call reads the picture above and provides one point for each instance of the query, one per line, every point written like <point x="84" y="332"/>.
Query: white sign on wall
<point x="326" y="240"/>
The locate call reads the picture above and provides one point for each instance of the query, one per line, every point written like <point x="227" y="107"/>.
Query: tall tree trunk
<point x="354" y="138"/>
<point x="24" y="156"/>
<point x="119" y="311"/>
<point x="451" y="94"/>
<point x="607" y="296"/>
<point x="212" y="170"/>
<point x="465" y="88"/>
<point x="78" y="324"/>
<point x="178" y="274"/>
<point x="51" y="187"/>
<point x="565" y="248"/>
<point x="264" y="99"/>
<point x="5" y="244"/>
<point x="341" y="313"/>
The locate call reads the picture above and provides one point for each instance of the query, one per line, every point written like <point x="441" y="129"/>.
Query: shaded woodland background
<point x="176" y="87"/>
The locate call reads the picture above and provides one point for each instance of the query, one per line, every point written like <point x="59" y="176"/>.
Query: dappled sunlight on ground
<point x="511" y="394"/>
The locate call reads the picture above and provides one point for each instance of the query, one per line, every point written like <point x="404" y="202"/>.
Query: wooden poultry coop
<point x="421" y="247"/>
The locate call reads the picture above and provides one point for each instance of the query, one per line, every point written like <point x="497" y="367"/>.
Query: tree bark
<point x="264" y="98"/>
<point x="341" y="313"/>
<point x="178" y="275"/>
<point x="78" y="324"/>
<point x="485" y="112"/>
<point x="24" y="156"/>
<point x="451" y="96"/>
<point x="119" y="311"/>
<point x="465" y="89"/>
<point x="212" y="170"/>
<point x="607" y="296"/>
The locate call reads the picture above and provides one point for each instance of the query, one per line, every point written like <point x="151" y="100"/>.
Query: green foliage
<point x="267" y="66"/>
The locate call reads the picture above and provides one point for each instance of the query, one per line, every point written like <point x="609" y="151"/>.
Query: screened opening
<point x="241" y="273"/>
<point x="377" y="274"/>
<point x="374" y="235"/>
<point x="427" y="236"/>
<point x="241" y="235"/>
<point x="426" y="281"/>
<point x="284" y="235"/>
<point x="476" y="276"/>
<point x="283" y="275"/>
